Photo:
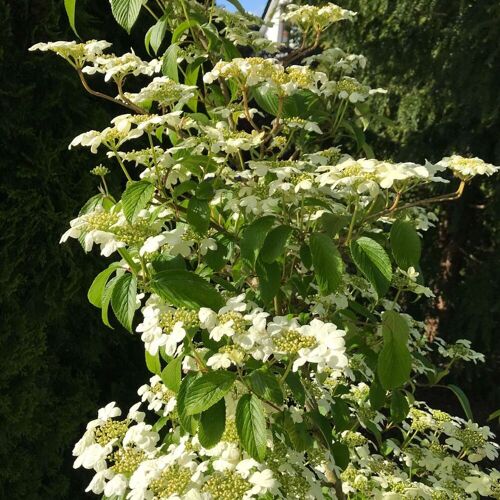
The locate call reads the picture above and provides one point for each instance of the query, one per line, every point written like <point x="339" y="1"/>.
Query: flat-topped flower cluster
<point x="264" y="256"/>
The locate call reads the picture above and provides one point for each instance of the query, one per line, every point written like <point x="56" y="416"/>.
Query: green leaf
<point x="169" y="67"/>
<point x="188" y="422"/>
<point x="463" y="399"/>
<point x="340" y="454"/>
<point x="172" y="373"/>
<point x="341" y="415"/>
<point x="123" y="299"/>
<point x="96" y="290"/>
<point x="184" y="26"/>
<point x="372" y="260"/>
<point x="327" y="261"/>
<point x="153" y="363"/>
<point x="274" y="243"/>
<point x="293" y="381"/>
<point x="136" y="196"/>
<point x="253" y="238"/>
<point x="302" y="104"/>
<point x="126" y="12"/>
<point x="158" y="32"/>
<point x="70" y="7"/>
<point x="167" y="262"/>
<point x="269" y="279"/>
<point x="305" y="255"/>
<point x="266" y="385"/>
<point x="106" y="300"/>
<point x="376" y="395"/>
<point x="198" y="215"/>
<point x="399" y="407"/>
<point x="405" y="244"/>
<point x="394" y="360"/>
<point x="91" y="204"/>
<point x="212" y="425"/>
<point x="186" y="289"/>
<point x="251" y="426"/>
<point x="493" y="416"/>
<point x="297" y="433"/>
<point x="208" y="390"/>
<point x="332" y="223"/>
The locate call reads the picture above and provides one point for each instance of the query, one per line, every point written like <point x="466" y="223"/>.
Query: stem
<point x="135" y="268"/>
<point x="131" y="105"/>
<point x="427" y="201"/>
<point x="100" y="94"/>
<point x="287" y="371"/>
<point x="247" y="109"/>
<point x="351" y="226"/>
<point x="124" y="168"/>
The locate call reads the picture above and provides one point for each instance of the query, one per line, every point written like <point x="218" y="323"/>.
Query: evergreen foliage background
<point x="440" y="61"/>
<point x="58" y="363"/>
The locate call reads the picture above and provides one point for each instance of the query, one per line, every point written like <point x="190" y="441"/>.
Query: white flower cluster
<point x="317" y="18"/>
<point x="164" y="91"/>
<point x="77" y="54"/>
<point x="244" y="331"/>
<point x="440" y="450"/>
<point x="118" y="67"/>
<point x="129" y="461"/>
<point x="465" y="168"/>
<point x="269" y="73"/>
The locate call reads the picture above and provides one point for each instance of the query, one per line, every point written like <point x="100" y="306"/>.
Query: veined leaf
<point x="136" y="197"/>
<point x="399" y="407"/>
<point x="269" y="279"/>
<point x="188" y="422"/>
<point x="253" y="238"/>
<point x="327" y="261"/>
<point x="274" y="243"/>
<point x="157" y="32"/>
<point x="106" y="300"/>
<point x="153" y="363"/>
<point x="172" y="374"/>
<point x="212" y="425"/>
<point x="394" y="360"/>
<point x="169" y="67"/>
<point x="186" y="289"/>
<point x="266" y="385"/>
<point x="208" y="390"/>
<point x="126" y="12"/>
<point x="251" y="426"/>
<point x="198" y="215"/>
<point x="184" y="26"/>
<point x="372" y="260"/>
<point x="98" y="285"/>
<point x="405" y="244"/>
<point x="123" y="299"/>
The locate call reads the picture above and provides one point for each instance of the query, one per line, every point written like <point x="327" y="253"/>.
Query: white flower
<point x="109" y="411"/>
<point x="142" y="436"/>
<point x="116" y="487"/>
<point x="466" y="168"/>
<point x="94" y="457"/>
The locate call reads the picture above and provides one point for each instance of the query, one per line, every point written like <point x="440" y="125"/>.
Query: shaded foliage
<point x="56" y="359"/>
<point x="440" y="62"/>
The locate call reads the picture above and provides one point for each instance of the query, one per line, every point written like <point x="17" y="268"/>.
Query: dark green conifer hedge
<point x="57" y="361"/>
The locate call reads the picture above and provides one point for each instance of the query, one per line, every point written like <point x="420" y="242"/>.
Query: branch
<point x="105" y="96"/>
<point x="427" y="201"/>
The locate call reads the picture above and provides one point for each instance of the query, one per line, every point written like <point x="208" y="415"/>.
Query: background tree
<point x="440" y="62"/>
<point x="57" y="361"/>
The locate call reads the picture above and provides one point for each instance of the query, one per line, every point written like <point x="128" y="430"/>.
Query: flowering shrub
<point x="266" y="271"/>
